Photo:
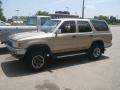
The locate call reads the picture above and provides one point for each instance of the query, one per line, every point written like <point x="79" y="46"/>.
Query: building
<point x="63" y="14"/>
<point x="15" y="20"/>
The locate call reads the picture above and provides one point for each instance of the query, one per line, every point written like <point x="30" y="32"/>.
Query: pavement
<point x="73" y="73"/>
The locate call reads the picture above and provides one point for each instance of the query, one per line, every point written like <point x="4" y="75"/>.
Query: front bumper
<point x="18" y="53"/>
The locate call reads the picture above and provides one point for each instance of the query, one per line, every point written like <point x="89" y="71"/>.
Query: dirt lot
<point x="73" y="73"/>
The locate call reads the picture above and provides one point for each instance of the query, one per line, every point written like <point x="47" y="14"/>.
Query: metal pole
<point x="17" y="13"/>
<point x="67" y="8"/>
<point x="83" y="7"/>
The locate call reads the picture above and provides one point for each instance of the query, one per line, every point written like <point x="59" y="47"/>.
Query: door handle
<point x="73" y="36"/>
<point x="91" y="35"/>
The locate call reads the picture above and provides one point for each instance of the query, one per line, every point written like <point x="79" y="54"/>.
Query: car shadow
<point x="3" y="50"/>
<point x="17" y="68"/>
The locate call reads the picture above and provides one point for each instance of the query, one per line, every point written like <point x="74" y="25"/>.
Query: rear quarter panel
<point x="106" y="37"/>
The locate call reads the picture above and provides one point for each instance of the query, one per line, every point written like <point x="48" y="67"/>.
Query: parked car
<point x="61" y="37"/>
<point x="33" y="23"/>
<point x="4" y="23"/>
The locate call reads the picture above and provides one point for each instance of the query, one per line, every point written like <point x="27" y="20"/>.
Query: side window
<point x="43" y="20"/>
<point x="68" y="27"/>
<point x="84" y="26"/>
<point x="100" y="25"/>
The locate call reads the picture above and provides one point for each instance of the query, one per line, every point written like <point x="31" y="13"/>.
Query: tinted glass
<point x="84" y="26"/>
<point x="50" y="25"/>
<point x="68" y="27"/>
<point x="100" y="25"/>
<point x="32" y="21"/>
<point x="43" y="20"/>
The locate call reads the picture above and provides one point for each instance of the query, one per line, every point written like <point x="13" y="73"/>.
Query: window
<point x="43" y="20"/>
<point x="68" y="27"/>
<point x="100" y="25"/>
<point x="84" y="26"/>
<point x="32" y="21"/>
<point x="50" y="26"/>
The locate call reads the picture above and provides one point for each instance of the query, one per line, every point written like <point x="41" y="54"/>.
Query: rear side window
<point x="84" y="26"/>
<point x="100" y="25"/>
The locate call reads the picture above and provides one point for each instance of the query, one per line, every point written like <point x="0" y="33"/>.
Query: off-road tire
<point x="95" y="52"/>
<point x="31" y="62"/>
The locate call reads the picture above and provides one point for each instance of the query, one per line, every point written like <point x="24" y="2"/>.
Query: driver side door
<point x="66" y="40"/>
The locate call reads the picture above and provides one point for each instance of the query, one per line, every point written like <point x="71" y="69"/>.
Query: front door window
<point x="68" y="27"/>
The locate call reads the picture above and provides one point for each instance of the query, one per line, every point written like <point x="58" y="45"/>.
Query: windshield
<point x="50" y="25"/>
<point x="32" y="21"/>
<point x="44" y="19"/>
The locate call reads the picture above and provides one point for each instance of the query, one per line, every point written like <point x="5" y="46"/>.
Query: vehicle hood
<point x="28" y="35"/>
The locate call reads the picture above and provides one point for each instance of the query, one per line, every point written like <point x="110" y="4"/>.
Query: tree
<point x="101" y="17"/>
<point x="113" y="19"/>
<point x="1" y="12"/>
<point x="110" y="20"/>
<point x="44" y="13"/>
<point x="23" y="18"/>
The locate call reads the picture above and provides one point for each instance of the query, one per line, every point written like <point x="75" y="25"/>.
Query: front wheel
<point x="37" y="60"/>
<point x="95" y="52"/>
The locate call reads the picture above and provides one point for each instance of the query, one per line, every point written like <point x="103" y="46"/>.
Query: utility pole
<point x="67" y="8"/>
<point x="83" y="8"/>
<point x="17" y="12"/>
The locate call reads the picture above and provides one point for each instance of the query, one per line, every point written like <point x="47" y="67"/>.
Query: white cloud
<point x="93" y="3"/>
<point x="89" y="6"/>
<point x="58" y="2"/>
<point x="98" y="1"/>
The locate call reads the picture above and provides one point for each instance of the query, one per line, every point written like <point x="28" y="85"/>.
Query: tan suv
<point x="61" y="37"/>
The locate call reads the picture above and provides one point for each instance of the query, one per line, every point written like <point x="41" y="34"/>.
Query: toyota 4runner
<point x="60" y="37"/>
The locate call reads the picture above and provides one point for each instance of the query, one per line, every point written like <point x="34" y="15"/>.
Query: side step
<point x="69" y="55"/>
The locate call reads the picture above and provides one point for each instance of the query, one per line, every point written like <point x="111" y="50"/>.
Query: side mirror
<point x="58" y="31"/>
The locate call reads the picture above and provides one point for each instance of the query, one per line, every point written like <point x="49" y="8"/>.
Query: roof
<point x="66" y="19"/>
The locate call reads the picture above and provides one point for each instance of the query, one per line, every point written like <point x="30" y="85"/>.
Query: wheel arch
<point x="42" y="47"/>
<point x="100" y="42"/>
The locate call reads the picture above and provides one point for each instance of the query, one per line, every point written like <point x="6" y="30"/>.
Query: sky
<point x="92" y="7"/>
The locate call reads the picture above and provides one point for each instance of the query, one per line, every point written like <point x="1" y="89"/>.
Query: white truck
<point x="33" y="24"/>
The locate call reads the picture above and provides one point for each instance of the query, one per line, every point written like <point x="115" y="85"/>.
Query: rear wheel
<point x="95" y="52"/>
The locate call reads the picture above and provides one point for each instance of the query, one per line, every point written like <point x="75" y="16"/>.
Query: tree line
<point x="2" y="17"/>
<point x="111" y="20"/>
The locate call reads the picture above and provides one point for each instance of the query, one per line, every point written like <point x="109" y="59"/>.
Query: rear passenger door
<point x="84" y="35"/>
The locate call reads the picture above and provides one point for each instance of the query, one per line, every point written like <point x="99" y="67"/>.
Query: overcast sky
<point x="92" y="7"/>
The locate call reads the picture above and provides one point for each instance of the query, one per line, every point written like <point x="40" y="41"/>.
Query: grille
<point x="9" y="43"/>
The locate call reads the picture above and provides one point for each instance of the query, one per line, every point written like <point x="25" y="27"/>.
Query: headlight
<point x="15" y="44"/>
